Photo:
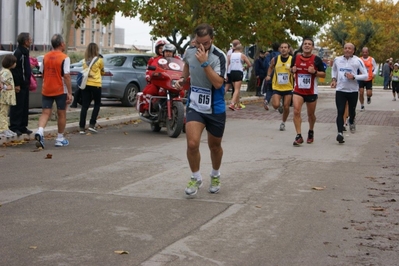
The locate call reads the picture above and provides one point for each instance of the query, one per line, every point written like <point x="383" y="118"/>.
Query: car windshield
<point x="116" y="60"/>
<point x="171" y="63"/>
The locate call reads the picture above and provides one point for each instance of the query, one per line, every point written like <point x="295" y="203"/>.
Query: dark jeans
<point x="340" y="101"/>
<point x="386" y="82"/>
<point x="268" y="90"/>
<point x="88" y="94"/>
<point x="19" y="114"/>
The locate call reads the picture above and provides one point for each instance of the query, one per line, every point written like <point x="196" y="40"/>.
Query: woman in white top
<point x="237" y="73"/>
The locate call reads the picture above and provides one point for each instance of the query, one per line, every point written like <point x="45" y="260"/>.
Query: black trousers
<point x="19" y="113"/>
<point x="341" y="98"/>
<point x="89" y="94"/>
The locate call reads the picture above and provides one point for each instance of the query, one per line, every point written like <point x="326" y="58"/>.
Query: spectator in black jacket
<point x="19" y="113"/>
<point x="260" y="72"/>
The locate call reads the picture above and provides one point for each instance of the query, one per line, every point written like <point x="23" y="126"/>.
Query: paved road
<point x="122" y="190"/>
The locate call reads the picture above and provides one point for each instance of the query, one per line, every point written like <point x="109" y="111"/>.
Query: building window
<point x="93" y="34"/>
<point x="82" y="37"/>
<point x="109" y="39"/>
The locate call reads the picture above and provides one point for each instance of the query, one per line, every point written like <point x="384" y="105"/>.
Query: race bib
<point x="342" y="73"/>
<point x="304" y="81"/>
<point x="282" y="78"/>
<point x="201" y="99"/>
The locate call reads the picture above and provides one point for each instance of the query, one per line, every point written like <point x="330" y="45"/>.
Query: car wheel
<point x="129" y="97"/>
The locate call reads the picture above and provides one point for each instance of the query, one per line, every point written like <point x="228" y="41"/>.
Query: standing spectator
<point x="344" y="75"/>
<point x="19" y="113"/>
<point x="236" y="74"/>
<point x="307" y="67"/>
<point x="372" y="70"/>
<point x="395" y="81"/>
<point x="56" y="88"/>
<point x="206" y="66"/>
<point x="260" y="72"/>
<point x="268" y="83"/>
<point x="386" y="73"/>
<point x="7" y="94"/>
<point x="282" y="81"/>
<point x="93" y="88"/>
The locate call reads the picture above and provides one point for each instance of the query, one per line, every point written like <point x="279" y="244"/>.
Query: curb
<point x="70" y="127"/>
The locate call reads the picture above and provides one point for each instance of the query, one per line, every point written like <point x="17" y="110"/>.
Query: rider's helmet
<point x="169" y="47"/>
<point x="157" y="44"/>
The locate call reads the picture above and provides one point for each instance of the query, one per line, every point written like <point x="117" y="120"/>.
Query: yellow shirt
<point x="282" y="78"/>
<point x="97" y="69"/>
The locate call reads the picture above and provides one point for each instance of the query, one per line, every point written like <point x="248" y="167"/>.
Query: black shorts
<point x="308" y="98"/>
<point x="366" y="84"/>
<point x="236" y="75"/>
<point x="60" y="100"/>
<point x="282" y="93"/>
<point x="229" y="79"/>
<point x="214" y="123"/>
<point x="395" y="86"/>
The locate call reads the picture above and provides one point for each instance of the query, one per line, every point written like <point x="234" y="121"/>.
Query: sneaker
<point x="344" y="128"/>
<point x="368" y="100"/>
<point x="232" y="107"/>
<point x="39" y="140"/>
<point x="9" y="134"/>
<point x="340" y="138"/>
<point x="61" y="143"/>
<point x="93" y="129"/>
<point x="362" y="108"/>
<point x="280" y="109"/>
<point x="394" y="99"/>
<point x="266" y="105"/>
<point x="282" y="126"/>
<point x="352" y="128"/>
<point x="242" y="106"/>
<point x="238" y="108"/>
<point x="215" y="184"/>
<point x="298" y="140"/>
<point x="82" y="131"/>
<point x="310" y="138"/>
<point x="193" y="186"/>
<point x="146" y="114"/>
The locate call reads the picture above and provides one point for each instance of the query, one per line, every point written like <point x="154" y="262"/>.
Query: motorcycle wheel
<point x="174" y="126"/>
<point x="155" y="127"/>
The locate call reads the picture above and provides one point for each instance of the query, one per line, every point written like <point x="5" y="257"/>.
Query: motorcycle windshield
<point x="171" y="63"/>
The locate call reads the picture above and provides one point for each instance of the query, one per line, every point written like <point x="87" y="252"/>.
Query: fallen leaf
<point x="125" y="133"/>
<point x="33" y="247"/>
<point x="48" y="156"/>
<point x="258" y="206"/>
<point x="378" y="209"/>
<point x="318" y="188"/>
<point x="120" y="252"/>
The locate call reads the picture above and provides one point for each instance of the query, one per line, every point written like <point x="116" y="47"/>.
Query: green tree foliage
<point x="372" y="25"/>
<point x="253" y="22"/>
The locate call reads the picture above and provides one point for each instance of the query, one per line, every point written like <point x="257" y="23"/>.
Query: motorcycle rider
<point x="168" y="50"/>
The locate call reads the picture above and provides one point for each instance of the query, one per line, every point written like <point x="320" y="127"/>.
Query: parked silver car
<point x="124" y="76"/>
<point x="35" y="98"/>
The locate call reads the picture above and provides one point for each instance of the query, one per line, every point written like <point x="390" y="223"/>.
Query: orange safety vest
<point x="53" y="84"/>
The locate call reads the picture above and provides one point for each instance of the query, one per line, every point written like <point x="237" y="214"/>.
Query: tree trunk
<point x="67" y="23"/>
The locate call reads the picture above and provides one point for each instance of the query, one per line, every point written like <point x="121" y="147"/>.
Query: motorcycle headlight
<point x="174" y="81"/>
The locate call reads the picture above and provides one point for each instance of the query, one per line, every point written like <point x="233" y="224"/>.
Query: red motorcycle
<point x="167" y="108"/>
